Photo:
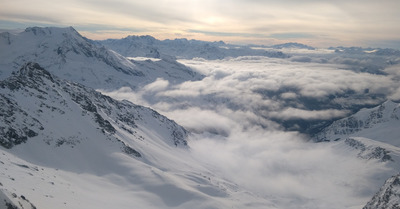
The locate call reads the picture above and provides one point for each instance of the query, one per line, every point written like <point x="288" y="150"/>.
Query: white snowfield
<point x="66" y="145"/>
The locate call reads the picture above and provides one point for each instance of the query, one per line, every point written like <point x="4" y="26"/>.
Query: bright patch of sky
<point x="317" y="23"/>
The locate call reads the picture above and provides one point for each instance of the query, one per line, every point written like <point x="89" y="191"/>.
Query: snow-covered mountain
<point x="374" y="132"/>
<point x="380" y="123"/>
<point x="67" y="54"/>
<point x="292" y="45"/>
<point x="66" y="145"/>
<point x="148" y="46"/>
<point x="32" y="95"/>
<point x="388" y="196"/>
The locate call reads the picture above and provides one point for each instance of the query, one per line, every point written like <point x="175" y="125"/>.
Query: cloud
<point x="232" y="115"/>
<point x="207" y="121"/>
<point x="286" y="36"/>
<point x="294" y="113"/>
<point x="281" y="167"/>
<point x="158" y="85"/>
<point x="259" y="91"/>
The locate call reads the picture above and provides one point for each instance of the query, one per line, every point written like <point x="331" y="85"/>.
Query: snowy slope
<point x="374" y="133"/>
<point x="42" y="109"/>
<point x="380" y="123"/>
<point x="67" y="146"/>
<point x="65" y="53"/>
<point x="388" y="196"/>
<point x="148" y="46"/>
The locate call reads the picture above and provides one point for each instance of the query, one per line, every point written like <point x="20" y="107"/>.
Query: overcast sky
<point x="318" y="23"/>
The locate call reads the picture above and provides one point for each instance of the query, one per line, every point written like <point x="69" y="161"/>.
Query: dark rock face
<point x="388" y="196"/>
<point x="369" y="152"/>
<point x="50" y="96"/>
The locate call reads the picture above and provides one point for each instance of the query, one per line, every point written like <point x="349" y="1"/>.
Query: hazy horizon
<point x="316" y="23"/>
<point x="18" y="30"/>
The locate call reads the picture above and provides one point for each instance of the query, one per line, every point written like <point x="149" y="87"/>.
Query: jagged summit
<point x="32" y="70"/>
<point x="145" y="38"/>
<point x="30" y="75"/>
<point x="51" y="30"/>
<point x="388" y="196"/>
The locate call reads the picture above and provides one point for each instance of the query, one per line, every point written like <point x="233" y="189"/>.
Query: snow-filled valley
<point x="222" y="126"/>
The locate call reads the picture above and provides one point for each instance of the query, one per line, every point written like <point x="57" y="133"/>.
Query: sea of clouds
<point x="235" y="115"/>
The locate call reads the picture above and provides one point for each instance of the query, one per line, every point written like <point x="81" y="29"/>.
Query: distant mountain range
<point x="148" y="46"/>
<point x="292" y="45"/>
<point x="67" y="54"/>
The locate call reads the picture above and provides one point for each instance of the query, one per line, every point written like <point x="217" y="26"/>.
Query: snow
<point x="65" y="53"/>
<point x="388" y="196"/>
<point x="91" y="151"/>
<point x="147" y="46"/>
<point x="235" y="137"/>
<point x="89" y="168"/>
<point x="380" y="123"/>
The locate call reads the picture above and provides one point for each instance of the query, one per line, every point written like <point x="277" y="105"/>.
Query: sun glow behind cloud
<point x="320" y="23"/>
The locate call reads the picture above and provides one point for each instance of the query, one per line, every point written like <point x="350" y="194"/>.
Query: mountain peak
<point x="293" y="45"/>
<point x="50" y="30"/>
<point x="388" y="196"/>
<point x="145" y="39"/>
<point x="33" y="70"/>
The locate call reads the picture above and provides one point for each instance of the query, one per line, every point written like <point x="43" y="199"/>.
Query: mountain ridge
<point x="366" y="123"/>
<point x="69" y="55"/>
<point x="388" y="196"/>
<point x="148" y="46"/>
<point x="34" y="81"/>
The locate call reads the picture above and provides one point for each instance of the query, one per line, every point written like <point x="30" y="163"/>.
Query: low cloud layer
<point x="262" y="91"/>
<point x="281" y="167"/>
<point x="236" y="112"/>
